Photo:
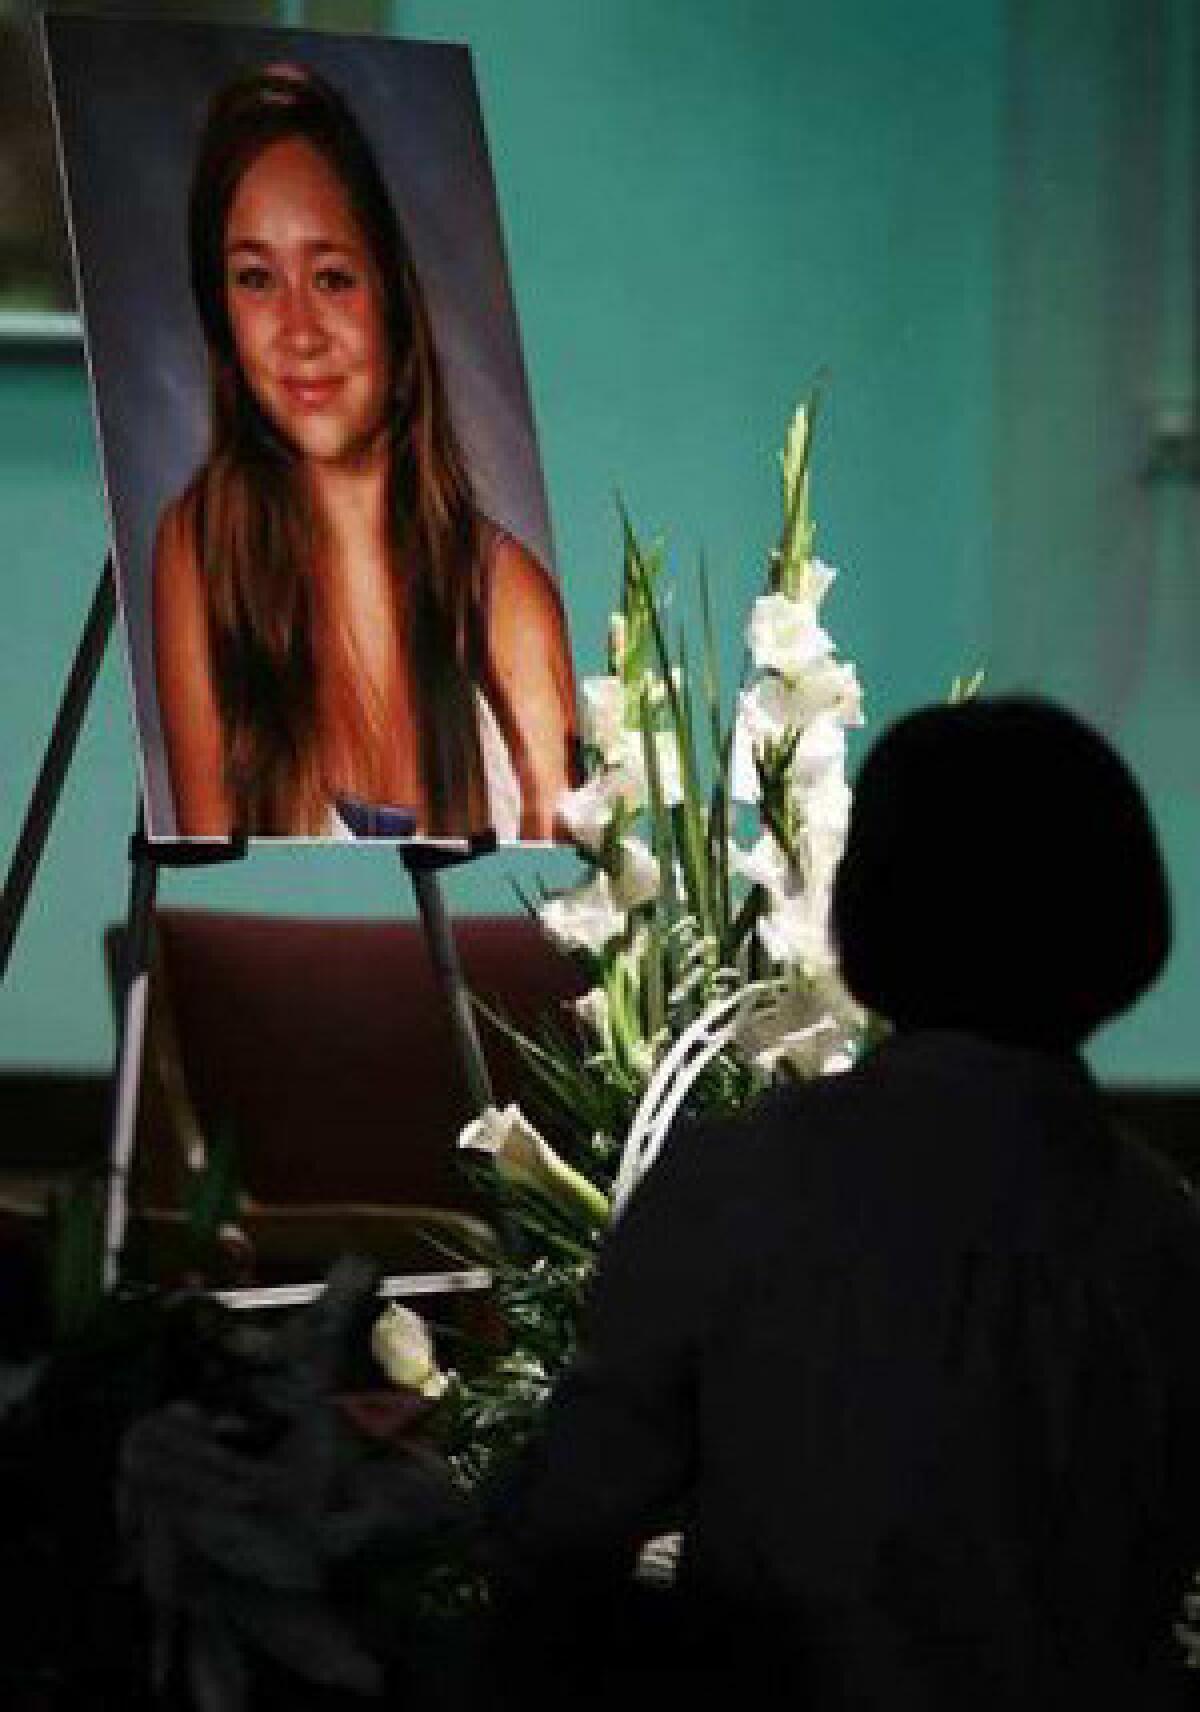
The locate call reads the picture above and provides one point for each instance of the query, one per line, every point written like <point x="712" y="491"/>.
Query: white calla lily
<point x="402" y="1345"/>
<point x="526" y="1159"/>
<point x="592" y="1009"/>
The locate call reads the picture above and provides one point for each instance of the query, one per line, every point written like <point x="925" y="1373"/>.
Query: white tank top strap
<point x="503" y="785"/>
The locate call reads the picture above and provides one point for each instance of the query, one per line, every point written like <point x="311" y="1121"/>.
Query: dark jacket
<point x="913" y="1353"/>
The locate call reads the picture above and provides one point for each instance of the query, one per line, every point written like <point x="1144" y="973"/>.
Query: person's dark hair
<point x="249" y="517"/>
<point x="1001" y="875"/>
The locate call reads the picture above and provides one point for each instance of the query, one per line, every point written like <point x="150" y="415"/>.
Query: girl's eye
<point x="335" y="279"/>
<point x="251" y="276"/>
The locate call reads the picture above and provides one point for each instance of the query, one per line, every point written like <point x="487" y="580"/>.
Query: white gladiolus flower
<point x="818" y="706"/>
<point x="632" y="761"/>
<point x="783" y="636"/>
<point x="833" y="687"/>
<point x="587" y="812"/>
<point x="764" y="864"/>
<point x="821" y="750"/>
<point x="827" y="807"/>
<point x="814" y="583"/>
<point x="794" y="931"/>
<point x="770" y="711"/>
<point x="603" y="714"/>
<point x="401" y="1344"/>
<point x="763" y="716"/>
<point x="636" y="880"/>
<point x="618" y="627"/>
<point x="585" y="919"/>
<point x="526" y="1159"/>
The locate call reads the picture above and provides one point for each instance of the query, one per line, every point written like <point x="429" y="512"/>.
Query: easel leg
<point x="439" y="937"/>
<point x="133" y="991"/>
<point x="46" y="792"/>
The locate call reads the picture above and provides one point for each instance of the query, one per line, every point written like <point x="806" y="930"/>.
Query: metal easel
<point x="421" y="861"/>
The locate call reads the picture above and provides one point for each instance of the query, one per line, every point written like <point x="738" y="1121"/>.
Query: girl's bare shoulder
<point x="175" y="536"/>
<point x="521" y="593"/>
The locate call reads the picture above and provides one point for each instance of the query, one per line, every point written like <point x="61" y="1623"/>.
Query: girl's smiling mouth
<point x="310" y="392"/>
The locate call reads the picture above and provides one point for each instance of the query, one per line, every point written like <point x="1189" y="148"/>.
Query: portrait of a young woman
<point x="333" y="616"/>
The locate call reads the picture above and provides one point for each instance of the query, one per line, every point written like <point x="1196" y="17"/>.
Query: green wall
<point x="706" y="202"/>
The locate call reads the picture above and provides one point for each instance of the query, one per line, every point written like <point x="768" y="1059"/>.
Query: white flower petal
<point x="764" y="864"/>
<point x="632" y="761"/>
<point x="820" y="750"/>
<point x="637" y="880"/>
<point x="800" y="1031"/>
<point x="783" y="635"/>
<point x="592" y="1011"/>
<point x="794" y="931"/>
<point x="587" y="811"/>
<point x="402" y="1345"/>
<point x="585" y="919"/>
<point x="602" y="709"/>
<point x="523" y="1155"/>
<point x="814" y="583"/>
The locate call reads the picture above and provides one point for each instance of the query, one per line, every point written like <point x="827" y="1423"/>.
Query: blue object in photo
<point x="376" y="820"/>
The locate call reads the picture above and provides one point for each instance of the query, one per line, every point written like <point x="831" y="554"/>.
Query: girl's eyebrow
<point x="309" y="246"/>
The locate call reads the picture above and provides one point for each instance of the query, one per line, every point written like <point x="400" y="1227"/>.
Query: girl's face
<point x="305" y="305"/>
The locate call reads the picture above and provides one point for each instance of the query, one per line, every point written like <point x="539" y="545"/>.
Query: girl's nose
<point x="301" y="327"/>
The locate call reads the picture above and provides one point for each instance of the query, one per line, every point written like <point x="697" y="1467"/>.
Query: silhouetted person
<point x="912" y="1352"/>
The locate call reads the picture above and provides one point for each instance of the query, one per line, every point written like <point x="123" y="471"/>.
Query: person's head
<point x="313" y="315"/>
<point x="1001" y="875"/>
<point x="320" y="348"/>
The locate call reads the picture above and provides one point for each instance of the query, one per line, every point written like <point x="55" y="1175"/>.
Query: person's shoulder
<point x="1155" y="1199"/>
<point x="175" y="536"/>
<point x="517" y="583"/>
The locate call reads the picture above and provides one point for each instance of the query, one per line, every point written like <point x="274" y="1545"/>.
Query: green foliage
<point x="212" y="1193"/>
<point x="77" y="1257"/>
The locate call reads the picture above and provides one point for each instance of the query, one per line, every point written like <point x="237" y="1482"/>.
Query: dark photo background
<point x="130" y="100"/>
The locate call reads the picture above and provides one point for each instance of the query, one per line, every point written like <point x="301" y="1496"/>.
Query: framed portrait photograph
<point x="332" y="544"/>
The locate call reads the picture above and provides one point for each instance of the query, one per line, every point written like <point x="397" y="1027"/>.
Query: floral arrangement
<point x="701" y="923"/>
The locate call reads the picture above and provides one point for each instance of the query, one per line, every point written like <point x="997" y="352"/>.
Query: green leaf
<point x="211" y="1194"/>
<point x="966" y="689"/>
<point x="77" y="1256"/>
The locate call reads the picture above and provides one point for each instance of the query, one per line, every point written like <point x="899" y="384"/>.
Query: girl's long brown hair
<point x="252" y="527"/>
